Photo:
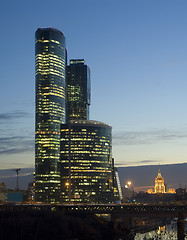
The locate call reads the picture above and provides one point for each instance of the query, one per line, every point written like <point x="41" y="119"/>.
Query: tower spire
<point x="159" y="173"/>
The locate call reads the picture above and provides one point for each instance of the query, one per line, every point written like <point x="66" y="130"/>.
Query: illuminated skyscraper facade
<point x="50" y="62"/>
<point x="86" y="162"/>
<point x="73" y="155"/>
<point x="77" y="90"/>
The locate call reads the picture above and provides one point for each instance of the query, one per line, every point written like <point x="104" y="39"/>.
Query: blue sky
<point x="137" y="52"/>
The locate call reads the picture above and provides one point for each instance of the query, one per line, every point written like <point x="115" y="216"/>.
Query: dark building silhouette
<point x="77" y="90"/>
<point x="50" y="60"/>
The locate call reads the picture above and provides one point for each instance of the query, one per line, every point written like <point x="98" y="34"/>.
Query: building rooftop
<point x="89" y="122"/>
<point x="76" y="61"/>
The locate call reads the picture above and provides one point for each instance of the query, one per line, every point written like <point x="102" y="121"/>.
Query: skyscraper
<point x="73" y="155"/>
<point x="50" y="62"/>
<point x="86" y="162"/>
<point x="77" y="90"/>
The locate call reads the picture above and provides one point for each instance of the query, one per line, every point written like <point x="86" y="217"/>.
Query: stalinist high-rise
<point x="50" y="62"/>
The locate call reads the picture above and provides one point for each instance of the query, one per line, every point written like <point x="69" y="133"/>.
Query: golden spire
<point x="159" y="173"/>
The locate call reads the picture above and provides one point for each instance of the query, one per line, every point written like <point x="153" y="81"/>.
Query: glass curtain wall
<point x="77" y="90"/>
<point x="86" y="162"/>
<point x="50" y="62"/>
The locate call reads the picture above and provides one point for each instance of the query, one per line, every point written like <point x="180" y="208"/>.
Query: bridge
<point x="129" y="210"/>
<point x="116" y="210"/>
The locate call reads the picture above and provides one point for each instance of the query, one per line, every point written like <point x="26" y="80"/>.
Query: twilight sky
<point x="137" y="52"/>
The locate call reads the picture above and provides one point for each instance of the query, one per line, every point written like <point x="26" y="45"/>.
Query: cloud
<point x="16" y="135"/>
<point x="15" y="175"/>
<point x="143" y="162"/>
<point x="146" y="137"/>
<point x="146" y="161"/>
<point x="13" y="115"/>
<point x="4" y="165"/>
<point x="16" y="144"/>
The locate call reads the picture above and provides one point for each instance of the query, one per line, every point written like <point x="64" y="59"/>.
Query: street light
<point x="68" y="190"/>
<point x="67" y="184"/>
<point x="129" y="183"/>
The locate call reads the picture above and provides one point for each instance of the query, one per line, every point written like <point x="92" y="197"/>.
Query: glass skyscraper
<point x="77" y="90"/>
<point x="73" y="155"/>
<point x="50" y="62"/>
<point x="86" y="162"/>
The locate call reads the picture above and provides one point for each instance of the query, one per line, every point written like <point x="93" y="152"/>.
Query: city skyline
<point x="73" y="155"/>
<point x="138" y="73"/>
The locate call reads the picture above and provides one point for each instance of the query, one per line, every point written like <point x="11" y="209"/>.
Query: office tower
<point x="77" y="90"/>
<point x="50" y="60"/>
<point x="86" y="162"/>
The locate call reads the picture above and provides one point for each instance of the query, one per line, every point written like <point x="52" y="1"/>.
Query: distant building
<point x="181" y="194"/>
<point x="31" y="192"/>
<point x="77" y="90"/>
<point x="160" y="186"/>
<point x="127" y="193"/>
<point x="144" y="197"/>
<point x="181" y="191"/>
<point x="2" y="192"/>
<point x="2" y="186"/>
<point x="14" y="196"/>
<point x="86" y="162"/>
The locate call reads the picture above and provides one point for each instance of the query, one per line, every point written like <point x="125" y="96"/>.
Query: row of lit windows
<point x="49" y="71"/>
<point x="48" y="132"/>
<point x="48" y="181"/>
<point x="47" y="41"/>
<point x="46" y="65"/>
<point x="88" y="170"/>
<point x="50" y="56"/>
<point x="99" y="177"/>
<point x="78" y="134"/>
<point x="47" y="175"/>
<point x="82" y="143"/>
<point x="48" y="139"/>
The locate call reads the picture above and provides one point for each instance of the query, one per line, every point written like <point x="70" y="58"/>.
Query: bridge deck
<point x="132" y="210"/>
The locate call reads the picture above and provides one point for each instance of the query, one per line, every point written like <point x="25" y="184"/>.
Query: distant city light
<point x="129" y="183"/>
<point x="67" y="184"/>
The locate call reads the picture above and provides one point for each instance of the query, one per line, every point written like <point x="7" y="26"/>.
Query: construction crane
<point x="17" y="172"/>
